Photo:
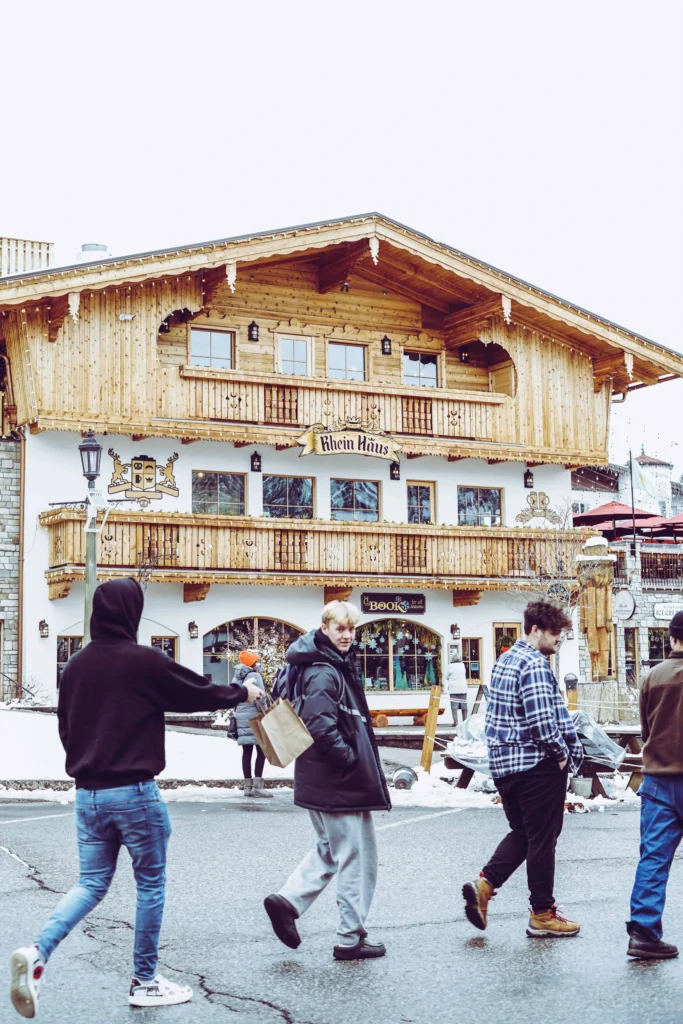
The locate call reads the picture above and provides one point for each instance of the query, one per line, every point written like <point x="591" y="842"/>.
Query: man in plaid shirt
<point x="532" y="745"/>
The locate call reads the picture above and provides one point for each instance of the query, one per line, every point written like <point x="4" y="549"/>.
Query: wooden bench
<point x="380" y="718"/>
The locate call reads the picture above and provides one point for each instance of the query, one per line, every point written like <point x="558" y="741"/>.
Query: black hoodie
<point x="341" y="772"/>
<point x="113" y="694"/>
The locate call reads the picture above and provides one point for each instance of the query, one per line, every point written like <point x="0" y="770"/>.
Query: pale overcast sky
<point x="544" y="138"/>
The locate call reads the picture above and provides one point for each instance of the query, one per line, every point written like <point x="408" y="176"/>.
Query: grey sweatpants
<point x="347" y="848"/>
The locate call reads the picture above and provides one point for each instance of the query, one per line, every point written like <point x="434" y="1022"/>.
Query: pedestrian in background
<point x="249" y="671"/>
<point x="340" y="781"/>
<point x="456" y="680"/>
<point x="532" y="743"/>
<point x="661" y="794"/>
<point x="112" y="699"/>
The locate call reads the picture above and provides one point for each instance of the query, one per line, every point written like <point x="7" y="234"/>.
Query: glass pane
<point x="375" y="672"/>
<point x="373" y="638"/>
<point x="355" y="374"/>
<point x="231" y="489"/>
<point x="200" y="343"/>
<point x="299" y="347"/>
<point x="367" y="495"/>
<point x="203" y="489"/>
<point x="341" y="493"/>
<point x="286" y="349"/>
<point x="300" y="491"/>
<point x="467" y="506"/>
<point x="411" y="363"/>
<point x="336" y="356"/>
<point x="62" y="649"/>
<point x="428" y="366"/>
<point x="300" y="512"/>
<point x="489" y="506"/>
<point x="426" y="512"/>
<point x="200" y="360"/>
<point x="275" y="490"/>
<point x="275" y="511"/>
<point x="301" y="369"/>
<point x="355" y="358"/>
<point x="76" y="644"/>
<point x="342" y="515"/>
<point x="366" y="515"/>
<point x="337" y="373"/>
<point x="221" y="345"/>
<point x="413" y="514"/>
<point x="221" y="364"/>
<point x="404" y="673"/>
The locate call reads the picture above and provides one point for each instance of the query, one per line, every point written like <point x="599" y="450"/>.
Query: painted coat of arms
<point x="147" y="481"/>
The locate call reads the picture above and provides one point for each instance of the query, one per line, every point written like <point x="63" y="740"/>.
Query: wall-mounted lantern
<point x="344" y="287"/>
<point x="529" y="479"/>
<point x="43" y="629"/>
<point x="252" y="331"/>
<point x="395" y="470"/>
<point x="386" y="346"/>
<point x="256" y="463"/>
<point x="193" y="630"/>
<point x="464" y="355"/>
<point x="455" y="631"/>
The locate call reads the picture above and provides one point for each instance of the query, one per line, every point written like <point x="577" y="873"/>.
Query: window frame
<point x="481" y="487"/>
<point x="224" y="472"/>
<point x="348" y="344"/>
<point x="69" y="637"/>
<point x="310" y="360"/>
<point x="210" y="329"/>
<point x="636" y="653"/>
<point x="391" y="655"/>
<point x="431" y="484"/>
<point x="165" y="636"/>
<point x="505" y="626"/>
<point x="467" y="661"/>
<point x="422" y="352"/>
<point x="290" y="476"/>
<point x="357" y="480"/>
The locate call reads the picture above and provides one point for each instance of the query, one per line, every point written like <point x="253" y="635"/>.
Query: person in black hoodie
<point x="112" y="698"/>
<point x="340" y="781"/>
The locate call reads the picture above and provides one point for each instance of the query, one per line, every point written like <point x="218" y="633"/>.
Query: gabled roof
<point x="404" y="260"/>
<point x="650" y="460"/>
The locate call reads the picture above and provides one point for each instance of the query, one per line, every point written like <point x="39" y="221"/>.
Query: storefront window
<point x="471" y="656"/>
<point x="167" y="645"/>
<point x="658" y="645"/>
<point x="222" y="645"/>
<point x="66" y="646"/>
<point x="631" y="655"/>
<point x="398" y="655"/>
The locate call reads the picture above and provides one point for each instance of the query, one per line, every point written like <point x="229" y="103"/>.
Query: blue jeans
<point x="661" y="830"/>
<point x="107" y="819"/>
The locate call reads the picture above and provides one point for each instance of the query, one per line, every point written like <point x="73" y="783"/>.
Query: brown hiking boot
<point x="552" y="925"/>
<point x="477" y="895"/>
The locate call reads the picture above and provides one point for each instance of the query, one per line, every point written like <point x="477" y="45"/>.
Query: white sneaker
<point x="26" y="966"/>
<point x="159" y="992"/>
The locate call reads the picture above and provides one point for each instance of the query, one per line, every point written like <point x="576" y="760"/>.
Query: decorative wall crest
<point x="148" y="481"/>
<point x="539" y="508"/>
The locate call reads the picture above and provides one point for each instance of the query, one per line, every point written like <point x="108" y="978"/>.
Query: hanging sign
<point x="623" y="604"/>
<point x="350" y="439"/>
<point x="668" y="609"/>
<point x="390" y="604"/>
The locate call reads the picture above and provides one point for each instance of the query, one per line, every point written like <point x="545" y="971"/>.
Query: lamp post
<point x="91" y="454"/>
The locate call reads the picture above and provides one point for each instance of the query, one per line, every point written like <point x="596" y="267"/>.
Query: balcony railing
<point x="662" y="570"/>
<point x="201" y="548"/>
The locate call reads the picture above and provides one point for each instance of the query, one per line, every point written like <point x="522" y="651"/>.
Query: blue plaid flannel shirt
<point x="526" y="717"/>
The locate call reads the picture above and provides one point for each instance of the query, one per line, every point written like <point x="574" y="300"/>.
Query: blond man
<point x="340" y="781"/>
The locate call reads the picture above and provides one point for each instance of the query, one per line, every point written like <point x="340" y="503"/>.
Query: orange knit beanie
<point x="248" y="658"/>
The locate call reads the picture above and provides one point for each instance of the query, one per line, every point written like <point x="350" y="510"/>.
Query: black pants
<point x="246" y="760"/>
<point x="533" y="802"/>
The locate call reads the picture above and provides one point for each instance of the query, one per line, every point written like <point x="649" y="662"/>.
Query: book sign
<point x="392" y="604"/>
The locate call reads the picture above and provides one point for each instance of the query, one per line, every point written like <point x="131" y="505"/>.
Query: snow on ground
<point x="30" y="748"/>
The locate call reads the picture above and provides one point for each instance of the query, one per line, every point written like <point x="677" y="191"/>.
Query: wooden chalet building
<point x="345" y="408"/>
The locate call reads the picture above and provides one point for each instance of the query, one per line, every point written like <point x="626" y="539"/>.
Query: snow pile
<point x="30" y="748"/>
<point x="433" y="791"/>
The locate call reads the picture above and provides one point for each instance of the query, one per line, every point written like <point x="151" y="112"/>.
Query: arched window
<point x="495" y="360"/>
<point x="398" y="655"/>
<point x="270" y="637"/>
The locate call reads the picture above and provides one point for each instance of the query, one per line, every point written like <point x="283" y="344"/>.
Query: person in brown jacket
<point x="661" y="813"/>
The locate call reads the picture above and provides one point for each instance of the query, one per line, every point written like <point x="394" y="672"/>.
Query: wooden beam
<point x="58" y="310"/>
<point x="336" y="265"/>
<point x="462" y="327"/>
<point x="188" y="440"/>
<point x="450" y="292"/>
<point x="139" y="437"/>
<point x="462" y="598"/>
<point x="56" y="591"/>
<point x="243" y="444"/>
<point x="376" y="276"/>
<point x="284" y="447"/>
<point x="494" y="462"/>
<point x="337" y="594"/>
<point x="195" y="591"/>
<point x="415" y="455"/>
<point x="458" y="458"/>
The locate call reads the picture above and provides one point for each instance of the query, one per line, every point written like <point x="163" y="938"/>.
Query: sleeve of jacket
<point x="537" y="690"/>
<point x="644" y="725"/>
<point x="62" y="708"/>
<point x="178" y="688"/>
<point x="320" y="713"/>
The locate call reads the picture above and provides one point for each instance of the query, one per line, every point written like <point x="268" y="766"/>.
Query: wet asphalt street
<point x="225" y="857"/>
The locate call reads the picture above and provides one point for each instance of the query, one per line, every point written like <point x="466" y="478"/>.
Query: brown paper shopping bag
<point x="263" y="741"/>
<point x="287" y="734"/>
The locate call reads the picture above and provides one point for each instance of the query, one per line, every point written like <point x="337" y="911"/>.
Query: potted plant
<point x="503" y="644"/>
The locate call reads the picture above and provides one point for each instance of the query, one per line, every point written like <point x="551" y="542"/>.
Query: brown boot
<point x="477" y="895"/>
<point x="550" y="924"/>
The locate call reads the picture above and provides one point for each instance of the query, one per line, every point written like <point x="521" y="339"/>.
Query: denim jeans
<point x="107" y="819"/>
<point x="661" y="830"/>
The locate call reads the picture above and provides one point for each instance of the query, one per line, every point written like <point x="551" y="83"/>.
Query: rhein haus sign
<point x="350" y="439"/>
<point x="392" y="604"/>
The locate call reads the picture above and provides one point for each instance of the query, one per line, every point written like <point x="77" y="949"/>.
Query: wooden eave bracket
<point x="334" y="267"/>
<point x="56" y="591"/>
<point x="463" y="327"/>
<point x="195" y="591"/>
<point x="337" y="594"/>
<point x="463" y="598"/>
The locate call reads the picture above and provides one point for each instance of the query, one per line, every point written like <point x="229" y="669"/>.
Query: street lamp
<point x="91" y="455"/>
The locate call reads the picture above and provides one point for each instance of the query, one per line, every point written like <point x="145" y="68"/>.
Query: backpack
<point x="287" y="683"/>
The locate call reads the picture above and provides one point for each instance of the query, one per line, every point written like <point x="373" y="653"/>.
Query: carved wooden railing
<point x="181" y="545"/>
<point x="271" y="400"/>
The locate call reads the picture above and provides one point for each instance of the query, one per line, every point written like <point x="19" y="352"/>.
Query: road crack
<point x="32" y="873"/>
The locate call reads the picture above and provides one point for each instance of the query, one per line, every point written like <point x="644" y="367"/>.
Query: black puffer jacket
<point x="341" y="772"/>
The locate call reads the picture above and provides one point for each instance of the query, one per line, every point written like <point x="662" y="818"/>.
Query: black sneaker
<point x="641" y="946"/>
<point x="363" y="950"/>
<point x="282" y="917"/>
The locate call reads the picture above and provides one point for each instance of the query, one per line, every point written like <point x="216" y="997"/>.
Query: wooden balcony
<point x="181" y="547"/>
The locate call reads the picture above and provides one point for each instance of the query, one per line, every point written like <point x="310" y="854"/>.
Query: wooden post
<point x="430" y="728"/>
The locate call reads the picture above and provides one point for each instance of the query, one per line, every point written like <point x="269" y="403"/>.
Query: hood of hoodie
<point x="242" y="671"/>
<point x="117" y="610"/>
<point x="305" y="650"/>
